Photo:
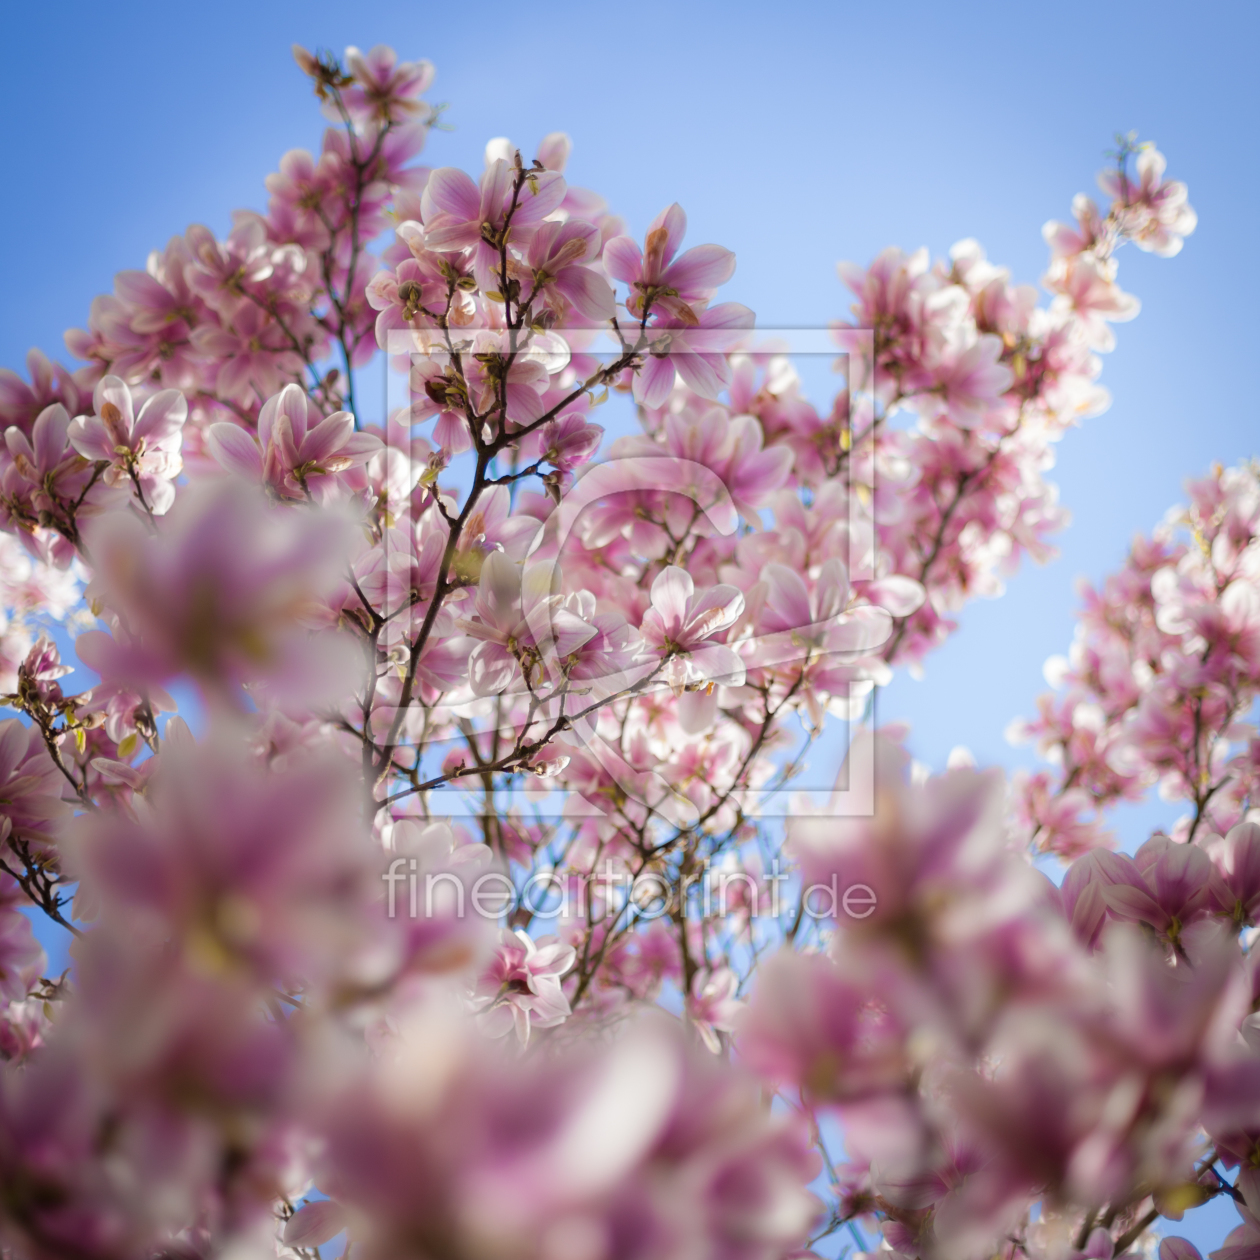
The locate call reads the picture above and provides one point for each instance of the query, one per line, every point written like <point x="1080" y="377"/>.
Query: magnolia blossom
<point x="712" y="1005"/>
<point x="520" y="989"/>
<point x="518" y="622"/>
<point x="559" y="259"/>
<point x="221" y="594"/>
<point x="680" y="626"/>
<point x="142" y="448"/>
<point x="384" y="88"/>
<point x="297" y="452"/>
<point x="1161" y="217"/>
<point x="459" y="214"/>
<point x="661" y="278"/>
<point x="694" y="350"/>
<point x="32" y="804"/>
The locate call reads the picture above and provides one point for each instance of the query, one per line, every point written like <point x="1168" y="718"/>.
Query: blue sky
<point x="794" y="133"/>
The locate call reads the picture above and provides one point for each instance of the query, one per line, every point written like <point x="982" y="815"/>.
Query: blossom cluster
<point x="462" y="646"/>
<point x="1161" y="680"/>
<point x="1019" y="1068"/>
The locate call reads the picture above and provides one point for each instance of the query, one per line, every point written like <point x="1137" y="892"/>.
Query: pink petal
<point x="569" y="631"/>
<point x="492" y="197"/>
<point x="716" y="661"/>
<point x="899" y="594"/>
<point x="1178" y="1249"/>
<point x="719" y="607"/>
<point x="162" y="416"/>
<point x="113" y="389"/>
<point x="623" y="259"/>
<point x="326" y="438"/>
<point x="490" y="669"/>
<point x="235" y="450"/>
<point x="671" y="593"/>
<point x="554" y="150"/>
<point x="141" y="289"/>
<point x="541" y="195"/>
<point x="591" y="295"/>
<point x="673" y="220"/>
<point x="859" y="631"/>
<point x="1133" y="903"/>
<point x="787" y="597"/>
<point x="14" y="741"/>
<point x="450" y="191"/>
<point x="88" y="436"/>
<point x="701" y="269"/>
<point x="49" y="435"/>
<point x="653" y="381"/>
<point x="707" y="374"/>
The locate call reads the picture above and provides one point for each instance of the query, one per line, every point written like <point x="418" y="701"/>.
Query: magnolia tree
<point x="466" y="914"/>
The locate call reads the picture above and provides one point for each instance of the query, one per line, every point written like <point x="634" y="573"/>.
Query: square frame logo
<point x="417" y="369"/>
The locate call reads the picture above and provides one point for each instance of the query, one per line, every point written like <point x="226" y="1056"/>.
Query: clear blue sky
<point x="795" y="133"/>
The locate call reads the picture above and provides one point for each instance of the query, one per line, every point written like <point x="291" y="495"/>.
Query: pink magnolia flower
<point x="436" y="392"/>
<point x="559" y="261"/>
<point x="144" y="447"/>
<point x="142" y="332"/>
<point x="384" y="88"/>
<point x="696" y="350"/>
<point x="613" y="649"/>
<point x="44" y="469"/>
<point x="809" y="1024"/>
<point x="41" y="669"/>
<point x="255" y="357"/>
<point x="297" y="450"/>
<point x="300" y="190"/>
<point x="680" y="626"/>
<point x="221" y="270"/>
<point x="1067" y="242"/>
<point x="712" y="1004"/>
<point x="569" y="441"/>
<point x="1087" y="289"/>
<point x="493" y="526"/>
<point x="512" y="607"/>
<point x="1165" y="885"/>
<point x="32" y="808"/>
<point x="520" y="380"/>
<point x="1237" y="862"/>
<point x="751" y="471"/>
<point x="400" y="574"/>
<point x="662" y="280"/>
<point x="221" y="593"/>
<point x="415" y="292"/>
<point x="241" y="866"/>
<point x="50" y="383"/>
<point x="733" y="447"/>
<point x="641" y="1146"/>
<point x="22" y="1029"/>
<point x="459" y="214"/>
<point x="793" y="623"/>
<point x="1159" y="215"/>
<point x="968" y="380"/>
<point x="521" y="988"/>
